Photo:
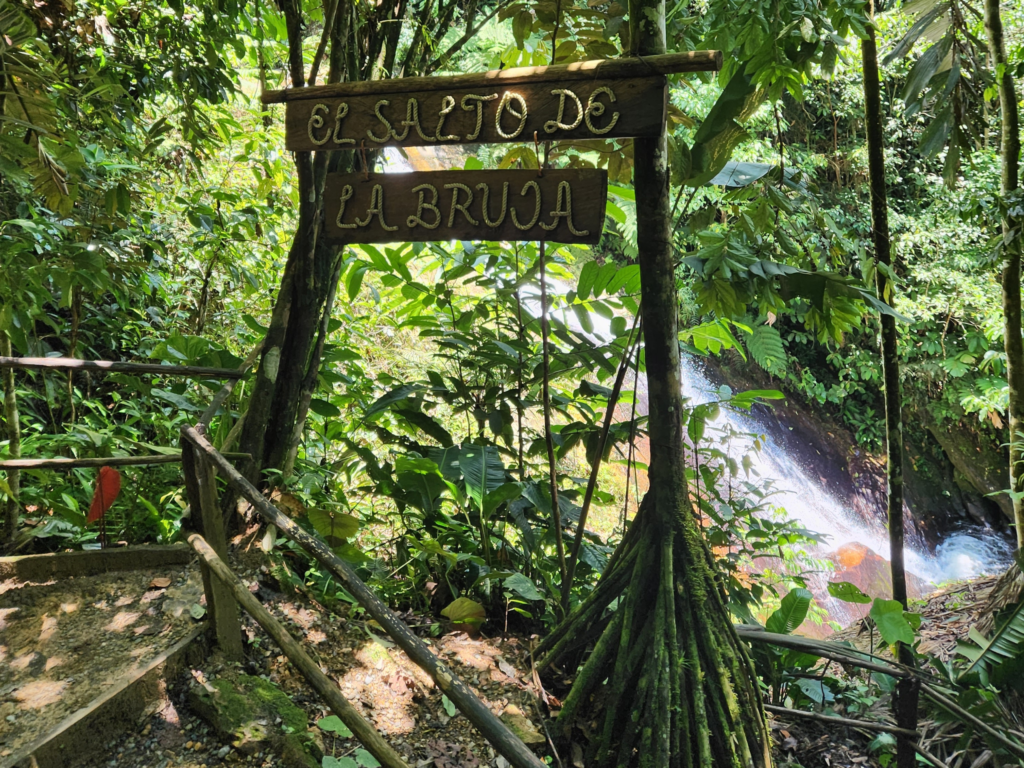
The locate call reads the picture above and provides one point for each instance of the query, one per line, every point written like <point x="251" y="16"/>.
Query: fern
<point x="765" y="346"/>
<point x="987" y="656"/>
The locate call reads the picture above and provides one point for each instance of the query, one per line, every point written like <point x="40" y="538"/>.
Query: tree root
<point x="668" y="683"/>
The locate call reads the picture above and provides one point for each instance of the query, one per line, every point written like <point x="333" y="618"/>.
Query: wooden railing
<point x="201" y="462"/>
<point x="115" y="366"/>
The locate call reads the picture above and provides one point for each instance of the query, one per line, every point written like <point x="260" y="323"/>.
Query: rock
<point x="521" y="726"/>
<point x="255" y="716"/>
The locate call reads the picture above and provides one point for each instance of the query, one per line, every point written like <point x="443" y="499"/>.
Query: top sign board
<point x="614" y="98"/>
<point x="590" y="110"/>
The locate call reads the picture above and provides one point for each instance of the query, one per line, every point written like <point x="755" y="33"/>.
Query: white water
<point x="965" y="554"/>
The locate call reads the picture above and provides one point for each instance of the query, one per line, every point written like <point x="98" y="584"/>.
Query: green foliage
<point x="892" y="622"/>
<point x="333" y="724"/>
<point x="791" y="613"/>
<point x="996" y="660"/>
<point x="847" y="592"/>
<point x="765" y="346"/>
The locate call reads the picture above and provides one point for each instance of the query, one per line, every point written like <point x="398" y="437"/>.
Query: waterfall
<point x="964" y="554"/>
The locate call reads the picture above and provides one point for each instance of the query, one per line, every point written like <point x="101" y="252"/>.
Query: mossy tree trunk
<point x="290" y="354"/>
<point x="906" y="694"/>
<point x="1012" y="341"/>
<point x="668" y="682"/>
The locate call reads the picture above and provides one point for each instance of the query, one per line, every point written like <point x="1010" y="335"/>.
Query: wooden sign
<point x="614" y="98"/>
<point x="554" y="111"/>
<point x="561" y="206"/>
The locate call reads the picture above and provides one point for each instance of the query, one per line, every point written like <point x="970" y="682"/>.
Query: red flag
<point x="108" y="485"/>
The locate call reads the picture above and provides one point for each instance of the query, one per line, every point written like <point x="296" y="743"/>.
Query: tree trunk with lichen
<point x="906" y="694"/>
<point x="13" y="425"/>
<point x="1012" y="341"/>
<point x="668" y="681"/>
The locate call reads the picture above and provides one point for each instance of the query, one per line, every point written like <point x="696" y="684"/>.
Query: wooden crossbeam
<point x="603" y="69"/>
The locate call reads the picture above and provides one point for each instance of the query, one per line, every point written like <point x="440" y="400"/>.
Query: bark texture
<point x="11" y="506"/>
<point x="291" y="354"/>
<point x="906" y="694"/>
<point x="358" y="44"/>
<point x="1012" y="341"/>
<point x="668" y="682"/>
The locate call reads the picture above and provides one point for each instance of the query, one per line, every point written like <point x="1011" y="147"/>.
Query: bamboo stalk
<point x="809" y="646"/>
<point x="845" y="721"/>
<point x="322" y="684"/>
<point x="639" y="66"/>
<point x="112" y="461"/>
<point x="496" y="732"/>
<point x="116" y="366"/>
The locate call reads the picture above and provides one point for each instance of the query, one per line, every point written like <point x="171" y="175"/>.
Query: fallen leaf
<point x="160" y="582"/>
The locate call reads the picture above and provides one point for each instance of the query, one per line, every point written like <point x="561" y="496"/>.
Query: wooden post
<point x="201" y="487"/>
<point x="322" y="684"/>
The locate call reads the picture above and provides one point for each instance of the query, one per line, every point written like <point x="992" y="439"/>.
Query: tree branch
<point x="321" y="49"/>
<point x="445" y="57"/>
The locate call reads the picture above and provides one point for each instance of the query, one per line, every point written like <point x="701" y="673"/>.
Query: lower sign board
<point x="559" y="206"/>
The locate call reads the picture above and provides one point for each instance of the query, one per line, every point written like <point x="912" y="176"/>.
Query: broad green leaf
<point x="791" y="613"/>
<point x="587" y="276"/>
<point x="464" y="611"/>
<point x="395" y="396"/>
<point x="333" y="724"/>
<point x="449" y="708"/>
<point x="324" y="408"/>
<point x="483" y="471"/>
<point x="816" y="690"/>
<point x="847" y="592"/>
<point x="501" y="494"/>
<point x="334" y="527"/>
<point x="892" y="624"/>
<point x="365" y="759"/>
<point x="523" y="587"/>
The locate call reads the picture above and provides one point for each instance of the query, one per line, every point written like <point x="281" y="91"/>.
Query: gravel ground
<point x="62" y="643"/>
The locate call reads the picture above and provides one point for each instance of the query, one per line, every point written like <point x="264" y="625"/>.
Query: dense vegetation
<point x="400" y="405"/>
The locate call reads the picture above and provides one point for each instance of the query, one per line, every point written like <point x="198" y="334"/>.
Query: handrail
<point x="110" y="461"/>
<point x="113" y="366"/>
<point x="846" y="656"/>
<point x="494" y="730"/>
<point x="322" y="684"/>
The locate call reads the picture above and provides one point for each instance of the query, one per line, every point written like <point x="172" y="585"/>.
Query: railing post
<point x="201" y="487"/>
